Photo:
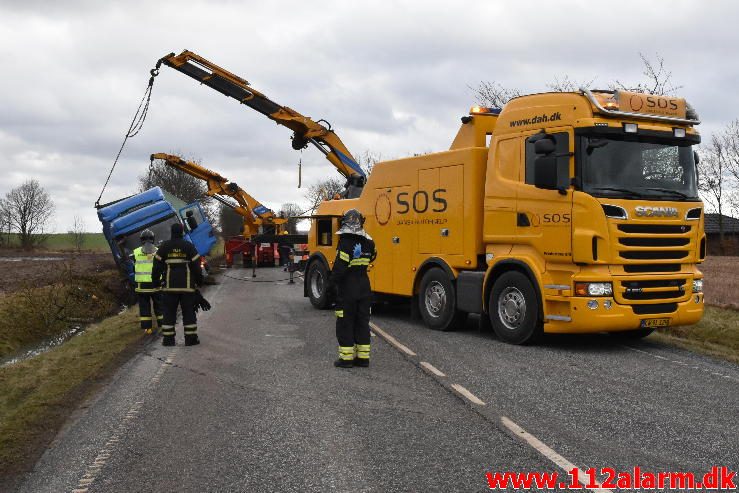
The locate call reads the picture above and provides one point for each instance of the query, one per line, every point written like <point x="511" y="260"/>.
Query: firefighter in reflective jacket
<point x="146" y="291"/>
<point x="353" y="294"/>
<point x="177" y="270"/>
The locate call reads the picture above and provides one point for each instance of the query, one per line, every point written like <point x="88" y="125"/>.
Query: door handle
<point x="444" y="232"/>
<point x="396" y="239"/>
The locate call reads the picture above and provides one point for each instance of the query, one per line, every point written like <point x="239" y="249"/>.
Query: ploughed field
<point x="41" y="268"/>
<point x="721" y="283"/>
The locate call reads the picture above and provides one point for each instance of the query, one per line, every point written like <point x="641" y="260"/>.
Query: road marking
<point x="545" y="450"/>
<point x="681" y="363"/>
<point x="467" y="394"/>
<point x="519" y="432"/>
<point x="392" y="340"/>
<point x="432" y="369"/>
<point x="105" y="453"/>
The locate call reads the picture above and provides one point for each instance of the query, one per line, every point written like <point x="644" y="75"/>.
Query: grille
<point x="654" y="242"/>
<point x="654" y="254"/>
<point x="641" y="268"/>
<point x="657" y="243"/>
<point x="654" y="308"/>
<point x="662" y="289"/>
<point x="653" y="229"/>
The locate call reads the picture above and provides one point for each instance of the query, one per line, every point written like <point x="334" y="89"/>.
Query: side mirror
<point x="544" y="146"/>
<point x="696" y="157"/>
<point x="545" y="171"/>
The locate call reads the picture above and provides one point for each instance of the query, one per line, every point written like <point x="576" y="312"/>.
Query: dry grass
<point x="721" y="281"/>
<point x="32" y="314"/>
<point x="717" y="334"/>
<point x="37" y="395"/>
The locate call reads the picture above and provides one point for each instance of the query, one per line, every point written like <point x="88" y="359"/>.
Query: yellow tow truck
<point x="561" y="212"/>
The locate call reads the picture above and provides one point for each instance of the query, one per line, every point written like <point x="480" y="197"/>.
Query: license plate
<point x="652" y="323"/>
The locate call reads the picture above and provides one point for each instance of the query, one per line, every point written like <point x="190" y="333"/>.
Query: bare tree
<point x="657" y="79"/>
<point x="322" y="190"/>
<point x="493" y="94"/>
<point x="713" y="178"/>
<point x="290" y="211"/>
<point x="28" y="209"/>
<point x="231" y="222"/>
<point x="180" y="184"/>
<point x="77" y="232"/>
<point x="368" y="159"/>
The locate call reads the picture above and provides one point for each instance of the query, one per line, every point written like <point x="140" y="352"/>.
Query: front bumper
<point x="619" y="317"/>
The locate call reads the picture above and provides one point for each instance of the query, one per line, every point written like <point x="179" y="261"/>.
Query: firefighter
<point x="353" y="294"/>
<point x="146" y="291"/>
<point x="177" y="271"/>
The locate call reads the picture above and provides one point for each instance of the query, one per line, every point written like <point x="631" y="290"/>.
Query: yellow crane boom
<point x="305" y="130"/>
<point x="255" y="214"/>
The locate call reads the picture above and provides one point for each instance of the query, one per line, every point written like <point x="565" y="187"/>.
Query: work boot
<point x="191" y="340"/>
<point x="344" y="363"/>
<point x="168" y="341"/>
<point x="363" y="362"/>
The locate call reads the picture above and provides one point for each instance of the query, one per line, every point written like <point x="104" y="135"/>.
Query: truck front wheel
<point x="437" y="301"/>
<point x="318" y="286"/>
<point x="514" y="309"/>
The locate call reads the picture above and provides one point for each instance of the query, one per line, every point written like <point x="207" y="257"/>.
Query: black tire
<point x="631" y="334"/>
<point x="514" y="309"/>
<point x="317" y="283"/>
<point x="437" y="301"/>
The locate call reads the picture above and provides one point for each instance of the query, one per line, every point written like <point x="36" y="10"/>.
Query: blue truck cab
<point x="125" y="219"/>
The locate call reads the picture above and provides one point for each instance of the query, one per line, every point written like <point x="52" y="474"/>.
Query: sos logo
<point x="421" y="201"/>
<point x="556" y="218"/>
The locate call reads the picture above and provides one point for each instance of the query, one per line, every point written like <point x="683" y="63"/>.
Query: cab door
<point x="544" y="217"/>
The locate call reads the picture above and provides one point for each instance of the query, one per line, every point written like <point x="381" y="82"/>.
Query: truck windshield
<point x="654" y="168"/>
<point x="161" y="230"/>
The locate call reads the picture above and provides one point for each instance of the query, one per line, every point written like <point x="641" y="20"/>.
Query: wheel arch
<point x="428" y="264"/>
<point x="508" y="265"/>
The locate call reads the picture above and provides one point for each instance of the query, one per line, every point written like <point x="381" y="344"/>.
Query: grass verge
<point x="717" y="334"/>
<point x="39" y="394"/>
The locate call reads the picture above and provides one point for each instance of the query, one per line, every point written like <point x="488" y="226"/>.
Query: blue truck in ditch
<point x="123" y="221"/>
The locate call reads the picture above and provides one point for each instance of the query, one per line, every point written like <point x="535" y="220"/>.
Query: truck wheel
<point x="317" y="280"/>
<point x="437" y="301"/>
<point x="514" y="309"/>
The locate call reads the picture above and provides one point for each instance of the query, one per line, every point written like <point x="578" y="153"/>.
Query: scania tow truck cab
<point x="561" y="212"/>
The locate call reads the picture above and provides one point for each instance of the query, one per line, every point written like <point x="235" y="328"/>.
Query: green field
<point x="64" y="241"/>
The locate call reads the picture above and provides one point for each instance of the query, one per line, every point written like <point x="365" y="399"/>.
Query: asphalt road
<point x="258" y="406"/>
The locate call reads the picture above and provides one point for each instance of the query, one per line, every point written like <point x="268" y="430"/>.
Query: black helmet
<point x="177" y="230"/>
<point x="147" y="235"/>
<point x="352" y="222"/>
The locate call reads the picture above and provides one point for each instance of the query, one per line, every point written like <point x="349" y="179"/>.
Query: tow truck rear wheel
<point x="318" y="287"/>
<point x="437" y="301"/>
<point x="514" y="309"/>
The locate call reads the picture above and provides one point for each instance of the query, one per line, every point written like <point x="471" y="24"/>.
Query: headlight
<point x="697" y="285"/>
<point x="593" y="289"/>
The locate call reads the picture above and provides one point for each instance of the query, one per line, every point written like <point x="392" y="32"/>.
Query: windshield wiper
<point x="668" y="190"/>
<point x="633" y="193"/>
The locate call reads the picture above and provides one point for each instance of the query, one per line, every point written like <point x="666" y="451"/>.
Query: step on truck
<point x="561" y="212"/>
<point x="124" y="220"/>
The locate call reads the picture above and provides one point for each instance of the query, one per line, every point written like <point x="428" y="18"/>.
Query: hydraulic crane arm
<point x="305" y="130"/>
<point x="253" y="211"/>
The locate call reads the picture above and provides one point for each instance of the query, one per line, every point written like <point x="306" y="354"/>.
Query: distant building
<point x="731" y="234"/>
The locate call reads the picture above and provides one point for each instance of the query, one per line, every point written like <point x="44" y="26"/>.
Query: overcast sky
<point x="391" y="77"/>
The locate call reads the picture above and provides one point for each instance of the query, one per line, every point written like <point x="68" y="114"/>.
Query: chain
<point x="136" y="125"/>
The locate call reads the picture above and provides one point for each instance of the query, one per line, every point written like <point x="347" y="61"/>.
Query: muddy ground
<point x="41" y="268"/>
